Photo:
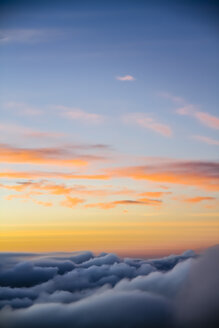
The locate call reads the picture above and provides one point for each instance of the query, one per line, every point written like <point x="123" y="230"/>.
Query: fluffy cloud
<point x="24" y="274"/>
<point x="83" y="290"/>
<point x="198" y="301"/>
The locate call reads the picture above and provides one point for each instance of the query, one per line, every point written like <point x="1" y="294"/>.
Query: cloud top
<point x="57" y="289"/>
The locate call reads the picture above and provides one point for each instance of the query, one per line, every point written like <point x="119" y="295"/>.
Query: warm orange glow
<point x="142" y="237"/>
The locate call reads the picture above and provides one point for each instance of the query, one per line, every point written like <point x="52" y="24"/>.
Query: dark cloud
<point x="25" y="274"/>
<point x="83" y="290"/>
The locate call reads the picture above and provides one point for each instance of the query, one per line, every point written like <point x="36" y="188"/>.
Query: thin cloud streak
<point x="110" y="205"/>
<point x="204" y="118"/>
<point x="59" y="175"/>
<point x="23" y="131"/>
<point x="206" y="140"/>
<point x="198" y="199"/>
<point x="201" y="174"/>
<point x="44" y="156"/>
<point x="23" y="109"/>
<point x="79" y="114"/>
<point x="28" y="35"/>
<point x="207" y="119"/>
<point x="145" y="121"/>
<point x="169" y="96"/>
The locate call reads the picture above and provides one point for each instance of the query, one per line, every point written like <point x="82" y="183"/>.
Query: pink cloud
<point x="15" y="129"/>
<point x="186" y="110"/>
<point x="208" y="119"/>
<point x="192" y="110"/>
<point x="207" y="140"/>
<point x="203" y="117"/>
<point x="175" y="99"/>
<point x="125" y="78"/>
<point x="23" y="109"/>
<point x="79" y="114"/>
<point x="150" y="123"/>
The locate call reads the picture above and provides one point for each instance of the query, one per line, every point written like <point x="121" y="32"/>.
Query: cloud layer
<point x="84" y="290"/>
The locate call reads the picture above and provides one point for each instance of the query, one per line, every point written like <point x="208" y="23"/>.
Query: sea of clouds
<point x="80" y="289"/>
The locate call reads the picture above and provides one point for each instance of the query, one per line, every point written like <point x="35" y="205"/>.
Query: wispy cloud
<point x="125" y="78"/>
<point x="148" y="122"/>
<point x="205" y="118"/>
<point x="71" y="201"/>
<point x="23" y="109"/>
<point x="79" y="114"/>
<point x="28" y="35"/>
<point x="204" y="175"/>
<point x="62" y="156"/>
<point x="51" y="175"/>
<point x="175" y="99"/>
<point x="40" y="202"/>
<point x="28" y="190"/>
<point x="109" y="205"/>
<point x="198" y="199"/>
<point x="201" y="174"/>
<point x="20" y="130"/>
<point x="207" y="140"/>
<point x="155" y="193"/>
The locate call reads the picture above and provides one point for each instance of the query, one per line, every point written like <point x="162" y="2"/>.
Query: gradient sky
<point x="109" y="126"/>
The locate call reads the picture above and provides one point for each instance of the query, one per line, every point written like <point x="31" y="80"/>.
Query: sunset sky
<point x="109" y="126"/>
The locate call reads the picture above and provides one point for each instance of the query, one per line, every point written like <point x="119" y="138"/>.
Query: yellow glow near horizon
<point x="131" y="238"/>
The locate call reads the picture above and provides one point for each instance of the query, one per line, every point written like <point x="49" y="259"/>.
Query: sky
<point x="109" y="126"/>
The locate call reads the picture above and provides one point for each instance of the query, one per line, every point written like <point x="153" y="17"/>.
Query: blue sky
<point x="139" y="78"/>
<point x="71" y="54"/>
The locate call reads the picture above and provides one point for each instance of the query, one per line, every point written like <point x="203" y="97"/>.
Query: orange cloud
<point x="46" y="156"/>
<point x="62" y="189"/>
<point x="72" y="202"/>
<point x="155" y="193"/>
<point x="46" y="204"/>
<point x="148" y="122"/>
<point x="198" y="199"/>
<point x="58" y="175"/>
<point x="193" y="173"/>
<point x="201" y="174"/>
<point x="29" y="189"/>
<point x="109" y="205"/>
